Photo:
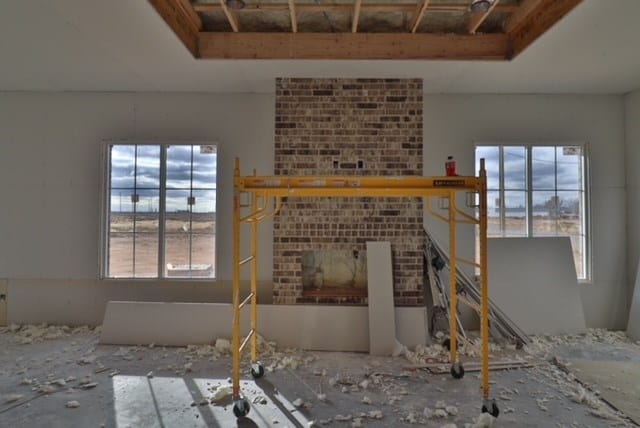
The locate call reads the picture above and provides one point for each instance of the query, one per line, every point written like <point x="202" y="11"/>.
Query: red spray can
<point x="450" y="166"/>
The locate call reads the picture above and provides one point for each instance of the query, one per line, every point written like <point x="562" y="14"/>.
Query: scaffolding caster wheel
<point x="491" y="407"/>
<point x="241" y="408"/>
<point x="257" y="370"/>
<point x="457" y="371"/>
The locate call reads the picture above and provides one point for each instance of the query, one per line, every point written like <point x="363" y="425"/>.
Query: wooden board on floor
<point x="533" y="281"/>
<point x="617" y="381"/>
<point x="382" y="321"/>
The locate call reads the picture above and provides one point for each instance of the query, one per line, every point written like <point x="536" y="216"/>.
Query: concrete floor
<point x="114" y="387"/>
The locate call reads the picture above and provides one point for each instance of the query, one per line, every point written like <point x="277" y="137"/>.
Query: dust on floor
<point x="57" y="376"/>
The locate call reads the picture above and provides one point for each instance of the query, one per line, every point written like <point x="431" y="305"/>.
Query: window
<point x="538" y="190"/>
<point x="160" y="211"/>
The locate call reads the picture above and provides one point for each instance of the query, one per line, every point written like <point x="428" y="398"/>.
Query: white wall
<point x="50" y="162"/>
<point x="452" y="124"/>
<point x="50" y="180"/>
<point x="632" y="158"/>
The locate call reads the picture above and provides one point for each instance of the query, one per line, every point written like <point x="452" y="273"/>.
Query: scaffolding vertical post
<point x="453" y="287"/>
<point x="236" y="282"/>
<point x="254" y="276"/>
<point x="484" y="287"/>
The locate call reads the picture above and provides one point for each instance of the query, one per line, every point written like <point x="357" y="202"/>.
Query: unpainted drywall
<point x="324" y="328"/>
<point x="537" y="288"/>
<point x="382" y="322"/>
<point x="50" y="171"/>
<point x="77" y="302"/>
<point x="632" y="160"/>
<point x="453" y="124"/>
<point x="633" y="327"/>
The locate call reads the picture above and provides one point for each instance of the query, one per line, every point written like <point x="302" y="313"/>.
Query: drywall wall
<point x="50" y="173"/>
<point x="50" y="178"/>
<point x="454" y="123"/>
<point x="633" y="326"/>
<point x="537" y="288"/>
<point x="77" y="302"/>
<point x="317" y="327"/>
<point x="632" y="159"/>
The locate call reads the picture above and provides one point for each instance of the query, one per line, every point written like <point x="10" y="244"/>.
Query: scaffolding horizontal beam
<point x="357" y="186"/>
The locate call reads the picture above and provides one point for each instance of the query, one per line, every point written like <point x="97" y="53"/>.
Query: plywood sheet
<point x="313" y="327"/>
<point x="533" y="280"/>
<point x="617" y="381"/>
<point x="633" y="326"/>
<point x="382" y="322"/>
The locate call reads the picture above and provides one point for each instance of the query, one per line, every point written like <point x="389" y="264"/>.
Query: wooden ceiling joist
<point x="184" y="24"/>
<point x="533" y="19"/>
<point x="294" y="17"/>
<point x="478" y="18"/>
<point x="420" y="11"/>
<point x="352" y="46"/>
<point x="231" y="16"/>
<point x="348" y="8"/>
<point x="356" y="16"/>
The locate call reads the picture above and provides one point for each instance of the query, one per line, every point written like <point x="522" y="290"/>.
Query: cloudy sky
<point x="190" y="172"/>
<point x="551" y="167"/>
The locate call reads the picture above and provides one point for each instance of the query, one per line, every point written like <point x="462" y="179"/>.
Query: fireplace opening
<point x="334" y="273"/>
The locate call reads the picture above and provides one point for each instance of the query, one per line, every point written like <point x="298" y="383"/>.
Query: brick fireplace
<point x="347" y="127"/>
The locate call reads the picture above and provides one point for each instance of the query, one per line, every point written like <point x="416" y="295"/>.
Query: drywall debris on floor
<point x="73" y="404"/>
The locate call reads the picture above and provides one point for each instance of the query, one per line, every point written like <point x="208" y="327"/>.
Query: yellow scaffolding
<point x="260" y="190"/>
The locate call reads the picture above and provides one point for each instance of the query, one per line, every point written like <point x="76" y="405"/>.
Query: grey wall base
<point x="313" y="327"/>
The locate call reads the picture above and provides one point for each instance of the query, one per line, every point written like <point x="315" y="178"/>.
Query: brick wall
<point x="348" y="127"/>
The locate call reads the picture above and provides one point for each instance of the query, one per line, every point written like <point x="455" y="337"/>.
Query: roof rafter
<point x="420" y="10"/>
<point x="352" y="46"/>
<point x="294" y="17"/>
<point x="231" y="16"/>
<point x="356" y="16"/>
<point x="478" y="18"/>
<point x="348" y="8"/>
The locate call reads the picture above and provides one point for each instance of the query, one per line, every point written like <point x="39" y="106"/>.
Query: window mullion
<point x="161" y="208"/>
<point x="529" y="190"/>
<point x="503" y="228"/>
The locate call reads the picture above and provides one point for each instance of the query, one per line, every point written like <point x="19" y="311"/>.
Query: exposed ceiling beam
<point x="180" y="21"/>
<point x="191" y="13"/>
<point x="231" y="16"/>
<point x="352" y="46"/>
<point x="348" y="8"/>
<point x="294" y="17"/>
<point x="356" y="16"/>
<point x="478" y="18"/>
<point x="417" y="17"/>
<point x="535" y="18"/>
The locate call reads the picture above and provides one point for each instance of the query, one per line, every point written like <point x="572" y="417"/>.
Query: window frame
<point x="105" y="210"/>
<point x="586" y="181"/>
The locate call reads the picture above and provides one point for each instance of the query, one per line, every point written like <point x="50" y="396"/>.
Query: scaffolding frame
<point x="263" y="189"/>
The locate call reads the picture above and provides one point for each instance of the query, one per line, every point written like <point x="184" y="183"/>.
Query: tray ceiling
<point x="360" y="29"/>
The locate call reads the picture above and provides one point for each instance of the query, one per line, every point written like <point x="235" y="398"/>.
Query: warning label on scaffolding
<point x="448" y="183"/>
